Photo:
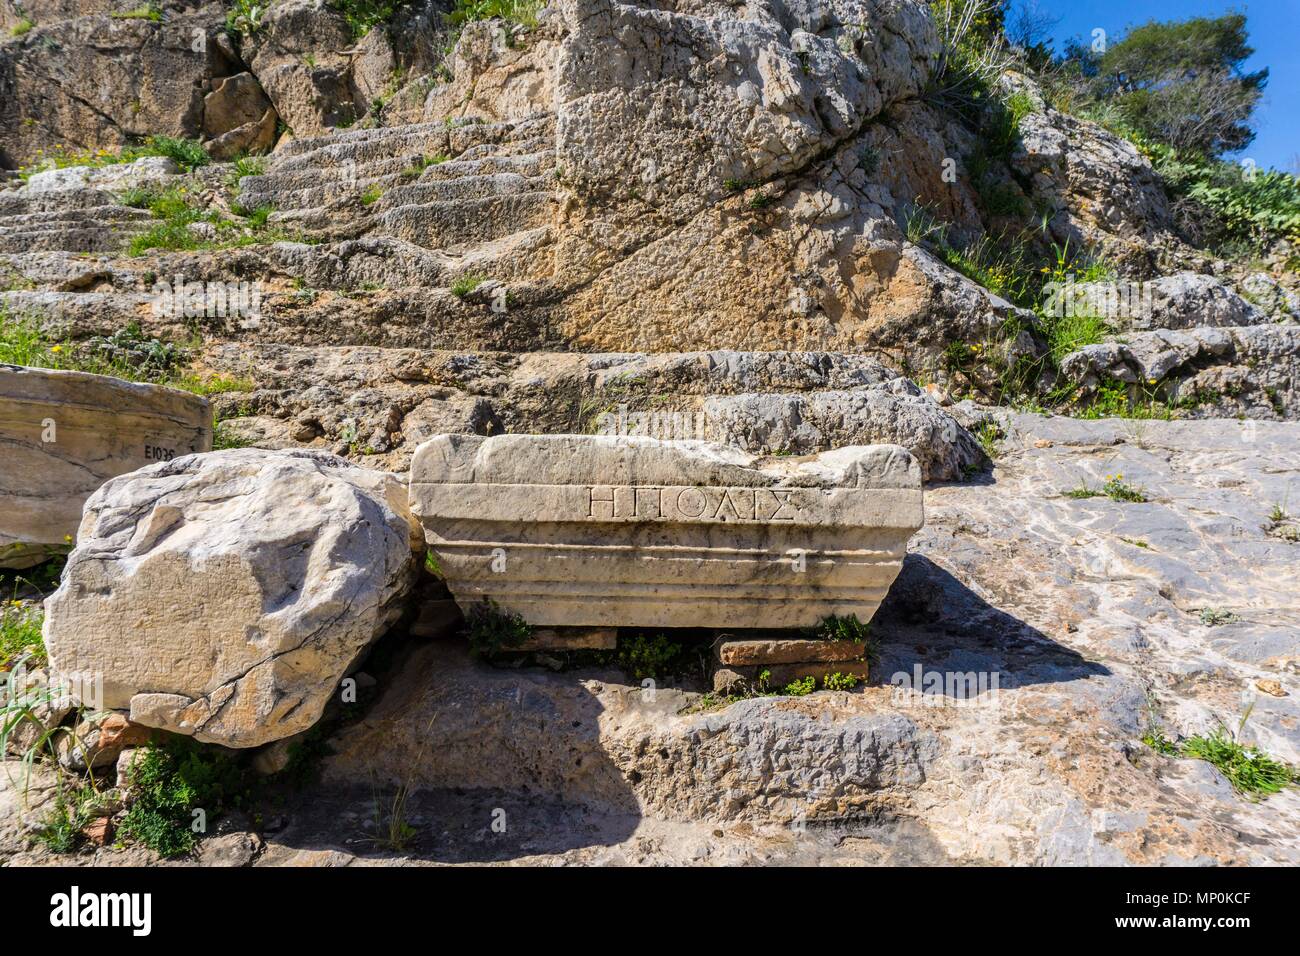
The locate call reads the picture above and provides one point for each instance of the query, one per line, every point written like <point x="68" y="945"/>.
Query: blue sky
<point x="1274" y="27"/>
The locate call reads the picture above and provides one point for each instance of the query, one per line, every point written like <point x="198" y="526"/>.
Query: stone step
<point x="282" y="268"/>
<point x="14" y="202"/>
<point x="462" y="188"/>
<point x="522" y="164"/>
<point x="362" y="146"/>
<point x="280" y="187"/>
<point x="337" y="207"/>
<point x="441" y="225"/>
<point x="69" y="237"/>
<point x="76" y="216"/>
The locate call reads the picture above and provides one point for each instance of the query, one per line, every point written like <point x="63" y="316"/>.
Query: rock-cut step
<point x="92" y="229"/>
<point x="432" y="184"/>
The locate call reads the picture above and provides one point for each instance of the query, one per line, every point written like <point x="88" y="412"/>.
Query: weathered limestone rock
<point x="65" y="433"/>
<point x="582" y="530"/>
<point x="238" y="586"/>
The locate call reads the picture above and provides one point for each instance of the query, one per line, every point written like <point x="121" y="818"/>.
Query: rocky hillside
<point x="763" y="224"/>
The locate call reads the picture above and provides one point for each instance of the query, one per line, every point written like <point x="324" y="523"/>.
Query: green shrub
<point x="168" y="784"/>
<point x="72" y="810"/>
<point x="836" y="628"/>
<point x="149" y="11"/>
<point x="244" y="18"/>
<point x="20" y="629"/>
<point x="801" y="687"/>
<point x="223" y="439"/>
<point x="362" y="16"/>
<point x="1155" y="739"/>
<point x="492" y="631"/>
<point x="1248" y="769"/>
<point x="466" y="284"/>
<point x="512" y="11"/>
<point x="838" y="681"/>
<point x="652" y="658"/>
<point x="1225" y="205"/>
<point x="188" y="154"/>
<point x="23" y="26"/>
<point x="846" y="628"/>
<point x="1116" y="489"/>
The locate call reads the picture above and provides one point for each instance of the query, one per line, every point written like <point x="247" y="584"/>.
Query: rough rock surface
<point x="549" y="189"/>
<point x="240" y="586"/>
<point x="379" y="404"/>
<point x="1251" y="370"/>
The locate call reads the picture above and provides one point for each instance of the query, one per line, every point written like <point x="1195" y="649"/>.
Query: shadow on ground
<point x="461" y="762"/>
<point x="932" y="621"/>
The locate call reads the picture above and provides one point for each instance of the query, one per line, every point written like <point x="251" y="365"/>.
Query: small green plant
<point x="422" y="163"/>
<point x="23" y="26"/>
<point x="372" y="195"/>
<point x="246" y="166"/>
<point x="392" y="829"/>
<point x="149" y="11"/>
<point x="1070" y="333"/>
<point x="1155" y="739"/>
<point x="989" y="434"/>
<point x="839" y="681"/>
<point x="1216" y="617"/>
<point x="257" y="217"/>
<point x="244" y="18"/>
<point x="651" y="658"/>
<point x="223" y="439"/>
<point x="1116" y="489"/>
<point x="20" y="630"/>
<point x="1280" y="524"/>
<point x="362" y="16"/>
<point x="466" y="284"/>
<point x="492" y="631"/>
<point x="761" y="200"/>
<point x="847" y="628"/>
<point x="188" y="154"/>
<point x="523" y="12"/>
<point x="869" y="161"/>
<point x="169" y="784"/>
<point x="801" y="687"/>
<point x="73" y="808"/>
<point x="1251" y="771"/>
<point x="1083" y="491"/>
<point x="1248" y="769"/>
<point x="836" y="628"/>
<point x="431" y="564"/>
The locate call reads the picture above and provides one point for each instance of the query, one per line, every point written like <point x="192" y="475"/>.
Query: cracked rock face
<point x="238" y="586"/>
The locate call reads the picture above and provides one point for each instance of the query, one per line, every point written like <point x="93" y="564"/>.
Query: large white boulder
<point x="225" y="595"/>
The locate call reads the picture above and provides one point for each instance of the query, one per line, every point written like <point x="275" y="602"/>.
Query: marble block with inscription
<point x="593" y="530"/>
<point x="63" y="434"/>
